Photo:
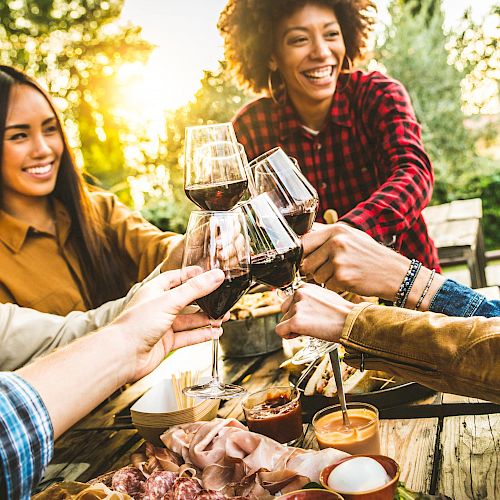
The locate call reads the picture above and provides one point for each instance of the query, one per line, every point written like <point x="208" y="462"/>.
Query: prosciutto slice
<point x="229" y="454"/>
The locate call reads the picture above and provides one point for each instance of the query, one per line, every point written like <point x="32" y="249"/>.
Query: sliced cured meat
<point x="158" y="484"/>
<point x="210" y="495"/>
<point x="128" y="480"/>
<point x="185" y="488"/>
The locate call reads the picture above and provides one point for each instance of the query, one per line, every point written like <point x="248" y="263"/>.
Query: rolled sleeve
<point x="26" y="437"/>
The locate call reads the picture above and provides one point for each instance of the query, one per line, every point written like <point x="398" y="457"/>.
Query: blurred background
<point x="129" y="75"/>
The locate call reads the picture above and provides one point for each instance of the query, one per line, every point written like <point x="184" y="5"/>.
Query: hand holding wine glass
<point x="218" y="240"/>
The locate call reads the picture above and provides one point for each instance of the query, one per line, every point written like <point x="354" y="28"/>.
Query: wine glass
<point x="218" y="240"/>
<point x="278" y="175"/>
<point x="215" y="166"/>
<point x="276" y="251"/>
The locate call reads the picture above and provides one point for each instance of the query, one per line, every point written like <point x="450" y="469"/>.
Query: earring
<point x="271" y="90"/>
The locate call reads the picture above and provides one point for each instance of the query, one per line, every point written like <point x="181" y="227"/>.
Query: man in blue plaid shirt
<point x="40" y="401"/>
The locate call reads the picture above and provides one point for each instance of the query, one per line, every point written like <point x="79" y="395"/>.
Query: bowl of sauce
<point x="362" y="477"/>
<point x="361" y="436"/>
<point x="275" y="412"/>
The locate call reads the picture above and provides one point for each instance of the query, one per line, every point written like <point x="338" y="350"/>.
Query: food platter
<point x="398" y="392"/>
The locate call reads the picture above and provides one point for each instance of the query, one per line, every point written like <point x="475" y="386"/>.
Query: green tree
<point x="414" y="50"/>
<point x="216" y="101"/>
<point x="75" y="48"/>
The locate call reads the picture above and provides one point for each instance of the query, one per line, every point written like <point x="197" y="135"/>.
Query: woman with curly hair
<point x="353" y="133"/>
<point x="63" y="246"/>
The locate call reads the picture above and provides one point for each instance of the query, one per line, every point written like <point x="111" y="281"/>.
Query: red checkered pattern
<point x="367" y="162"/>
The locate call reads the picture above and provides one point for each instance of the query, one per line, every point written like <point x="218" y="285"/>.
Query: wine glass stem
<point x="215" y="357"/>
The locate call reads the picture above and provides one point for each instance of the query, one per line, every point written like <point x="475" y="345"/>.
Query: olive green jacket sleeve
<point x="26" y="334"/>
<point x="449" y="354"/>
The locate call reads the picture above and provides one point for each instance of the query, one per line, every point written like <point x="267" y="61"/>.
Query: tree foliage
<point x="75" y="49"/>
<point x="215" y="102"/>
<point x="414" y="51"/>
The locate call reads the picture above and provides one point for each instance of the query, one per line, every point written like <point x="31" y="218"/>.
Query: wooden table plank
<point x="411" y="442"/>
<point x="470" y="457"/>
<point x="83" y="455"/>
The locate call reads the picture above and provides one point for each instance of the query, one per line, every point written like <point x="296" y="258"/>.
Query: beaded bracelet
<point x="426" y="289"/>
<point x="407" y="283"/>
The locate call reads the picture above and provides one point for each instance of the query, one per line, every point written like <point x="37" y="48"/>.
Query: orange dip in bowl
<point x="361" y="437"/>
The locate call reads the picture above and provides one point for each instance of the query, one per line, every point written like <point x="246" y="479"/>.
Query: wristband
<point x="407" y="283"/>
<point x="426" y="289"/>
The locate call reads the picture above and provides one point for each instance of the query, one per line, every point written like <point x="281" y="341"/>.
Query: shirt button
<point x="323" y="185"/>
<point x="318" y="146"/>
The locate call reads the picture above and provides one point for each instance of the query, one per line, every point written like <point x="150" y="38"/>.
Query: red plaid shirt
<point x="367" y="162"/>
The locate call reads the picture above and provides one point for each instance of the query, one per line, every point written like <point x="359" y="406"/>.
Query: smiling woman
<point x="354" y="134"/>
<point x="77" y="247"/>
<point x="32" y="150"/>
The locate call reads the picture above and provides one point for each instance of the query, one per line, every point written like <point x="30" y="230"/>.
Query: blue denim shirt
<point x="454" y="299"/>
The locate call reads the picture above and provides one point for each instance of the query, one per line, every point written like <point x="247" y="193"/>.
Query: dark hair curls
<point x="248" y="26"/>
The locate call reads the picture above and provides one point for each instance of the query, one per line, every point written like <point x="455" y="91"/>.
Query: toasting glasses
<point x="276" y="174"/>
<point x="215" y="166"/>
<point x="218" y="240"/>
<point x="276" y="250"/>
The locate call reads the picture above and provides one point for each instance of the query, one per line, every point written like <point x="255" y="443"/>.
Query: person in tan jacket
<point x="64" y="245"/>
<point x="451" y="344"/>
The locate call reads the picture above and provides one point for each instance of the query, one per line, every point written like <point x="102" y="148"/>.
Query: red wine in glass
<point x="220" y="301"/>
<point x="300" y="221"/>
<point x="219" y="196"/>
<point x="275" y="269"/>
<point x="218" y="240"/>
<point x="215" y="174"/>
<point x="276" y="250"/>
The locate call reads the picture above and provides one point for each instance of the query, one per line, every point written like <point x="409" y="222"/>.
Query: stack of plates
<point x="157" y="410"/>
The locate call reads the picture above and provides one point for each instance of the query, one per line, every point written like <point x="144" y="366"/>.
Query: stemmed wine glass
<point x="276" y="251"/>
<point x="218" y="240"/>
<point x="276" y="174"/>
<point x="215" y="166"/>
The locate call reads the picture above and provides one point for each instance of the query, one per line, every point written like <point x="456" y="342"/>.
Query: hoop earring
<point x="347" y="70"/>
<point x="271" y="90"/>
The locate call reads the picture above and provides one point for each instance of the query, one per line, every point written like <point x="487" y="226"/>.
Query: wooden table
<point x="446" y="444"/>
<point x="457" y="233"/>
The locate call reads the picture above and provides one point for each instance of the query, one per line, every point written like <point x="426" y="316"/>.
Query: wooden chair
<point x="457" y="233"/>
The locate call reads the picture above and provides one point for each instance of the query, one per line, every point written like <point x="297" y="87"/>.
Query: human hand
<point x="150" y="327"/>
<point x="345" y="258"/>
<point x="314" y="311"/>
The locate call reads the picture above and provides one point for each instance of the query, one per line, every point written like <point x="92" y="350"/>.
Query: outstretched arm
<point x="75" y="379"/>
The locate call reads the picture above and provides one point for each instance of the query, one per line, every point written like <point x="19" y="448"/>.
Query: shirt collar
<point x="340" y="111"/>
<point x="13" y="232"/>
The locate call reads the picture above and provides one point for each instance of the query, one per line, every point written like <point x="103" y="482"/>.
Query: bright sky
<point x="188" y="42"/>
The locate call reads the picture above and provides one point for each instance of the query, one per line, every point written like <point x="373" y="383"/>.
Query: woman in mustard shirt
<point x="63" y="247"/>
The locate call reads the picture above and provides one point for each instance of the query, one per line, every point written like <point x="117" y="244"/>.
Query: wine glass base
<point x="215" y="390"/>
<point x="312" y="351"/>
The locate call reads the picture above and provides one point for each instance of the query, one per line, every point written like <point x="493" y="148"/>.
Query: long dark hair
<point x="103" y="277"/>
